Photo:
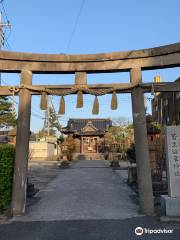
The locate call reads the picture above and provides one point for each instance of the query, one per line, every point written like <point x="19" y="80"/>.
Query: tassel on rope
<point x="79" y="99"/>
<point x="44" y="101"/>
<point x="62" y="106"/>
<point x="95" y="106"/>
<point x="114" y="101"/>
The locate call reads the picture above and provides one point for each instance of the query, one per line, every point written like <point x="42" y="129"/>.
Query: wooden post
<point x="81" y="144"/>
<point x="141" y="146"/>
<point x="22" y="147"/>
<point x="97" y="147"/>
<point x="80" y="78"/>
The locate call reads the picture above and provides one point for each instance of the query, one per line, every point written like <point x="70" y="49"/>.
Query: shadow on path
<point x="87" y="190"/>
<point x="85" y="230"/>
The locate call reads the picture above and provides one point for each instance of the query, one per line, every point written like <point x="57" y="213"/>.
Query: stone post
<point x="22" y="147"/>
<point x="141" y="146"/>
<point x="170" y="204"/>
<point x="81" y="144"/>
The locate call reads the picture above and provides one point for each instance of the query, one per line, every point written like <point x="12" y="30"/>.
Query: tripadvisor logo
<point x="139" y="231"/>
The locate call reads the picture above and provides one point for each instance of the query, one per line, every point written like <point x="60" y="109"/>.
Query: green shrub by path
<point x="7" y="155"/>
<point x="131" y="153"/>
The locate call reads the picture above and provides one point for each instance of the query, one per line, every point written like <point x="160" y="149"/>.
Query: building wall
<point x="98" y="145"/>
<point x="7" y="138"/>
<point x="154" y="150"/>
<point x="77" y="145"/>
<point x="42" y="150"/>
<point x="166" y="108"/>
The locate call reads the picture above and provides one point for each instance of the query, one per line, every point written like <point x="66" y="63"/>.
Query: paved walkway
<point x="42" y="173"/>
<point x="87" y="190"/>
<point x="89" y="201"/>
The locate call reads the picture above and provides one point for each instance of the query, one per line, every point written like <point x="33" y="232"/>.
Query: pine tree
<point x="53" y="123"/>
<point x="53" y="119"/>
<point x="7" y="116"/>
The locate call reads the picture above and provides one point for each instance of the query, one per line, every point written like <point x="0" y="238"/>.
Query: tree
<point x="109" y="140"/>
<point x="53" y="119"/>
<point x="121" y="136"/>
<point x="44" y="133"/>
<point x="120" y="121"/>
<point x="70" y="147"/>
<point x="7" y="116"/>
<point x="60" y="139"/>
<point x="51" y="122"/>
<point x="131" y="153"/>
<point x="33" y="136"/>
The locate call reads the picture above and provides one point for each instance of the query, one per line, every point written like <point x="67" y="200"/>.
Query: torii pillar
<point x="141" y="146"/>
<point x="22" y="147"/>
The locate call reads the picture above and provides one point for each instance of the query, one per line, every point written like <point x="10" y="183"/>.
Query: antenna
<point x="2" y="37"/>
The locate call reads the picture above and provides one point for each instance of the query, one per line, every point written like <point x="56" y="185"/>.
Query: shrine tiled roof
<point x="77" y="125"/>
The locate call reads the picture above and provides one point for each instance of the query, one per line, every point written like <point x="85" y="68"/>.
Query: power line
<point x="9" y="34"/>
<point x="4" y="11"/>
<point x="6" y="25"/>
<point x="7" y="44"/>
<point x="75" y="25"/>
<point x="35" y="112"/>
<point x="4" y="42"/>
<point x="2" y="35"/>
<point x="32" y="112"/>
<point x="36" y="115"/>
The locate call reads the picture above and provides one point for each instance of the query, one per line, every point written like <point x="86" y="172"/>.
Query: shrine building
<point x="88" y="135"/>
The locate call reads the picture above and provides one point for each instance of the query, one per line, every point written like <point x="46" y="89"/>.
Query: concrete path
<point x="89" y="201"/>
<point x="41" y="173"/>
<point x="87" y="190"/>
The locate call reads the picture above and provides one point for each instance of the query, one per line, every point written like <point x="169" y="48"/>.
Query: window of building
<point x="166" y="102"/>
<point x="86" y="140"/>
<point x="178" y="116"/>
<point x="177" y="95"/>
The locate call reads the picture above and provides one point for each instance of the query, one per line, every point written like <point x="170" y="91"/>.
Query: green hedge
<point x="7" y="155"/>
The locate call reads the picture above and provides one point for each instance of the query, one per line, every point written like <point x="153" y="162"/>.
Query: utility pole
<point x="55" y="114"/>
<point x="48" y="115"/>
<point x="2" y="25"/>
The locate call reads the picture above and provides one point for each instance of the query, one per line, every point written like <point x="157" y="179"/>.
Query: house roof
<point x="11" y="132"/>
<point x="3" y="139"/>
<point x="163" y="94"/>
<point x="77" y="126"/>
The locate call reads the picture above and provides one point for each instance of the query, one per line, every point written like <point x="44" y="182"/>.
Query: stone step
<point x="88" y="156"/>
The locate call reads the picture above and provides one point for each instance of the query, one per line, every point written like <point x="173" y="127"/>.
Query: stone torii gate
<point x="132" y="61"/>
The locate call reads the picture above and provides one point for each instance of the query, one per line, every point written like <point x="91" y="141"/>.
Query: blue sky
<point x="103" y="26"/>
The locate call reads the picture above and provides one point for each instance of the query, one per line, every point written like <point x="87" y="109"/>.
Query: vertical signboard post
<point x="171" y="203"/>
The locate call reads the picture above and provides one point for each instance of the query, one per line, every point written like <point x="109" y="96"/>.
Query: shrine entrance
<point x="89" y="145"/>
<point x="88" y="135"/>
<point x="134" y="62"/>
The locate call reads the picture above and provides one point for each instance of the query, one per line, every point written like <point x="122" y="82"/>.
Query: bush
<point x="64" y="164"/>
<point x="131" y="153"/>
<point x="7" y="155"/>
<point x="69" y="144"/>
